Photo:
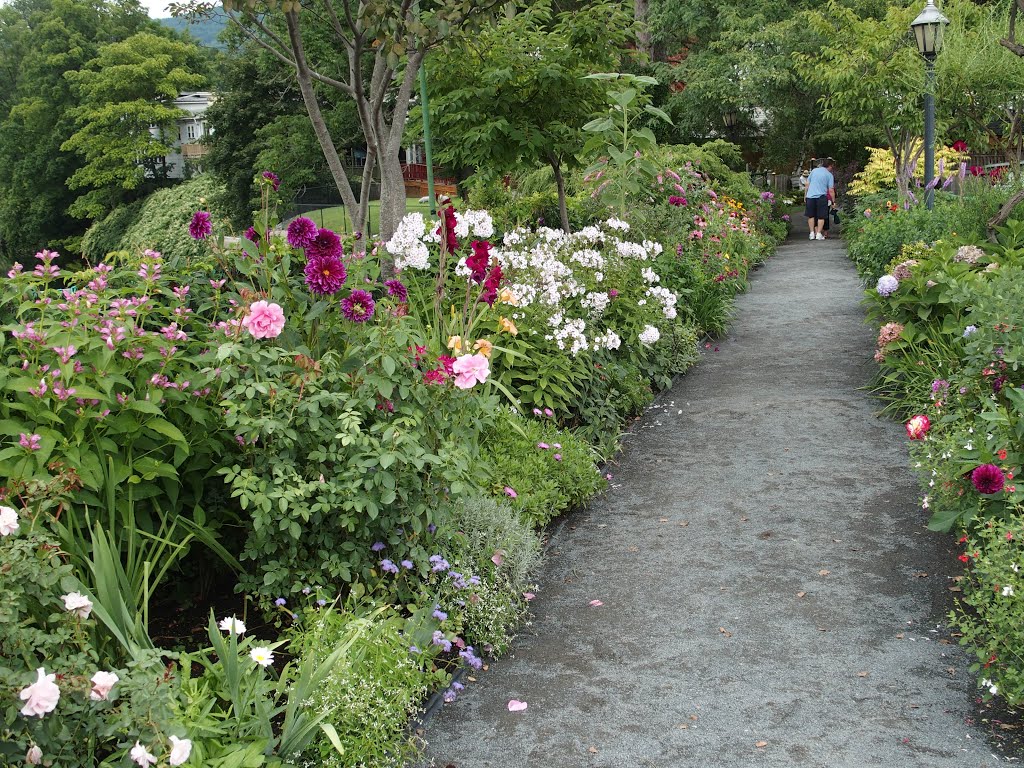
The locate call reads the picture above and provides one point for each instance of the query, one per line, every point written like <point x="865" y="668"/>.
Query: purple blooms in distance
<point x="200" y="227"/>
<point x="397" y="289"/>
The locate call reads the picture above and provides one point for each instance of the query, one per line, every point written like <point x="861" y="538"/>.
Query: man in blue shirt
<point x="820" y="189"/>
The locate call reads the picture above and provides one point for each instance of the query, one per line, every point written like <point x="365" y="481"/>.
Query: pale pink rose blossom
<point x="77" y="603"/>
<point x="102" y="682"/>
<point x="180" y="750"/>
<point x="470" y="370"/>
<point x="34" y="756"/>
<point x="8" y="521"/>
<point x="40" y="697"/>
<point x="264" y="321"/>
<point x="142" y="756"/>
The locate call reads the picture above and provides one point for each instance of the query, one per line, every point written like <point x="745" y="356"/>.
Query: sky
<point x="157" y="8"/>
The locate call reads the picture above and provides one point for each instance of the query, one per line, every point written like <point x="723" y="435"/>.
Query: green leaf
<point x="168" y="430"/>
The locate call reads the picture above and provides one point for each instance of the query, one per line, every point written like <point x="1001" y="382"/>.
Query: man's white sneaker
<point x="819" y="236"/>
<point x="812" y="237"/>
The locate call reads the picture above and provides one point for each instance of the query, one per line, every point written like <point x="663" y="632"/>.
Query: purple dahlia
<point x="325" y="275"/>
<point x="272" y="177"/>
<point x="252" y="235"/>
<point x="200" y="227"/>
<point x="397" y="289"/>
<point x="988" y="478"/>
<point x="326" y="243"/>
<point x="358" y="307"/>
<point x="301" y="232"/>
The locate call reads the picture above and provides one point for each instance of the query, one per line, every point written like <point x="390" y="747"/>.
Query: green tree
<point x="127" y="120"/>
<point x="368" y="50"/>
<point x="515" y="94"/>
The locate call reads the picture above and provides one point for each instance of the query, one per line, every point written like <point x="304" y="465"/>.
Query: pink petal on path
<point x="515" y="705"/>
<point x="596" y="603"/>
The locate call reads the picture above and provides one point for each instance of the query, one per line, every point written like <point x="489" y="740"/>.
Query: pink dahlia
<point x="988" y="478"/>
<point x="358" y="307"/>
<point x="200" y="227"/>
<point x="918" y="427"/>
<point x="265" y="320"/>
<point x="326" y="243"/>
<point x="301" y="232"/>
<point x="325" y="275"/>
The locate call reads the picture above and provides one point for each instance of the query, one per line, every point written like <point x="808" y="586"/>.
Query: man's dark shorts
<point x="817" y="207"/>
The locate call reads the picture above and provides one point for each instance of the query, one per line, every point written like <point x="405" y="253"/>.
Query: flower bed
<point x="949" y="348"/>
<point x="370" y="450"/>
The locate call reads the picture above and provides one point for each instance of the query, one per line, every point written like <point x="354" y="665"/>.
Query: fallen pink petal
<point x="498" y="557"/>
<point x="528" y="596"/>
<point x="596" y="603"/>
<point x="515" y="705"/>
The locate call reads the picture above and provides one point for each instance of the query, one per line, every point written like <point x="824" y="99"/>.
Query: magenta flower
<point x="29" y="442"/>
<point x="557" y="457"/>
<point x="272" y="177"/>
<point x="397" y="289"/>
<point x="200" y="227"/>
<point x="301" y="232"/>
<point x="511" y="492"/>
<point x="252" y="235"/>
<point x="265" y="320"/>
<point x="470" y="370"/>
<point x="918" y="427"/>
<point x="358" y="307"/>
<point x="325" y="275"/>
<point x="988" y="479"/>
<point x="325" y="244"/>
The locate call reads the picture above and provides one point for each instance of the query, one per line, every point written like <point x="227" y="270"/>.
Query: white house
<point x="188" y="151"/>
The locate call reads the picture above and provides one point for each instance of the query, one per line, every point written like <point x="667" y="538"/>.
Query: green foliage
<point x="107" y="235"/>
<point x="623" y="148"/>
<point x="990" y="615"/>
<point x="879" y="174"/>
<point x="126" y="90"/>
<point x="550" y="469"/>
<point x="369" y="697"/>
<point x="162" y="222"/>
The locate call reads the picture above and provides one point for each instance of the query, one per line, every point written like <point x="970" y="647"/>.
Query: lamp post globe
<point x="927" y="29"/>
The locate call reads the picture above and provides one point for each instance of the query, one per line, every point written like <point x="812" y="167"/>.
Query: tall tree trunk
<point x="643" y="29"/>
<point x="323" y="135"/>
<point x="563" y="211"/>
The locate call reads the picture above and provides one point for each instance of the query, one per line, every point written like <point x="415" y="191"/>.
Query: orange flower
<point x="455" y="344"/>
<point x="508" y="326"/>
<point x="505" y="296"/>
<point x="484" y="346"/>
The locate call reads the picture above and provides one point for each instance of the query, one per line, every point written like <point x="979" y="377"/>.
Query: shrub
<point x="880" y="171"/>
<point x="106" y="236"/>
<point x="550" y="469"/>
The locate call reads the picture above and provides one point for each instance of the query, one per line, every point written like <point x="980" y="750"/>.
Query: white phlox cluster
<point x="596" y="301"/>
<point x="407" y="245"/>
<point x="607" y="340"/>
<point x="649" y="335"/>
<point x="666" y="297"/>
<point x="476" y="223"/>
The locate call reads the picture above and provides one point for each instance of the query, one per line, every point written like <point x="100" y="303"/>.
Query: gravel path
<point x="770" y="594"/>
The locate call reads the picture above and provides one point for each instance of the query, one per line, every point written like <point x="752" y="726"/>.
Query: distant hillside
<point x="205" y="31"/>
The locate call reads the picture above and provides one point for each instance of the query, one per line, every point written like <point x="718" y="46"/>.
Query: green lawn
<point x="337" y="219"/>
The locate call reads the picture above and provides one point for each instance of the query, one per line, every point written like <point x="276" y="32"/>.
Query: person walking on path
<point x="820" y="189"/>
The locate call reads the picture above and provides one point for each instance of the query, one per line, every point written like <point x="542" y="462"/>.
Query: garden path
<point x="770" y="594"/>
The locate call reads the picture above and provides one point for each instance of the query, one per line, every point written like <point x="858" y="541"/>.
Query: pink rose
<point x="264" y="321"/>
<point x="40" y="697"/>
<point x="78" y="604"/>
<point x="34" y="756"/>
<point x="470" y="369"/>
<point x="102" y="682"/>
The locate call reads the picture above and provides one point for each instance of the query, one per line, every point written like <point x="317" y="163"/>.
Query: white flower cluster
<point x="477" y="223"/>
<point x="650" y="276"/>
<point x="407" y="245"/>
<point x="588" y="258"/>
<point x="568" y="334"/>
<point x="607" y="340"/>
<point x="667" y="298"/>
<point x="597" y="301"/>
<point x="629" y="250"/>
<point x="649" y="335"/>
<point x="614" y="223"/>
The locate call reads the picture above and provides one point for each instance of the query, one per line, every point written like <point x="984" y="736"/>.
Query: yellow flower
<point x="455" y="344"/>
<point x="508" y="326"/>
<point x="505" y="296"/>
<point x="484" y="347"/>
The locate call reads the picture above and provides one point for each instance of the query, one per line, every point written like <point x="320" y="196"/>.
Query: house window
<point x="192" y="131"/>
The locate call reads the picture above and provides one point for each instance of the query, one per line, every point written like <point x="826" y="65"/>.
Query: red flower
<point x="962" y="558"/>
<point x="960" y="146"/>
<point x="1001" y="453"/>
<point x="477" y="263"/>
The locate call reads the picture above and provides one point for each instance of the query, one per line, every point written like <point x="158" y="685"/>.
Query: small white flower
<point x="649" y="335"/>
<point x="262" y="656"/>
<point x="232" y="624"/>
<point x="1007" y="591"/>
<point x="142" y="756"/>
<point x="924" y="503"/>
<point x="992" y="687"/>
<point x="78" y="604"/>
<point x="8" y="521"/>
<point x="1015" y="568"/>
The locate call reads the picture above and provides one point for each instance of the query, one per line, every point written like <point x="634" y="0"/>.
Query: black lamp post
<point x="927" y="28"/>
<point x="730" y="124"/>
